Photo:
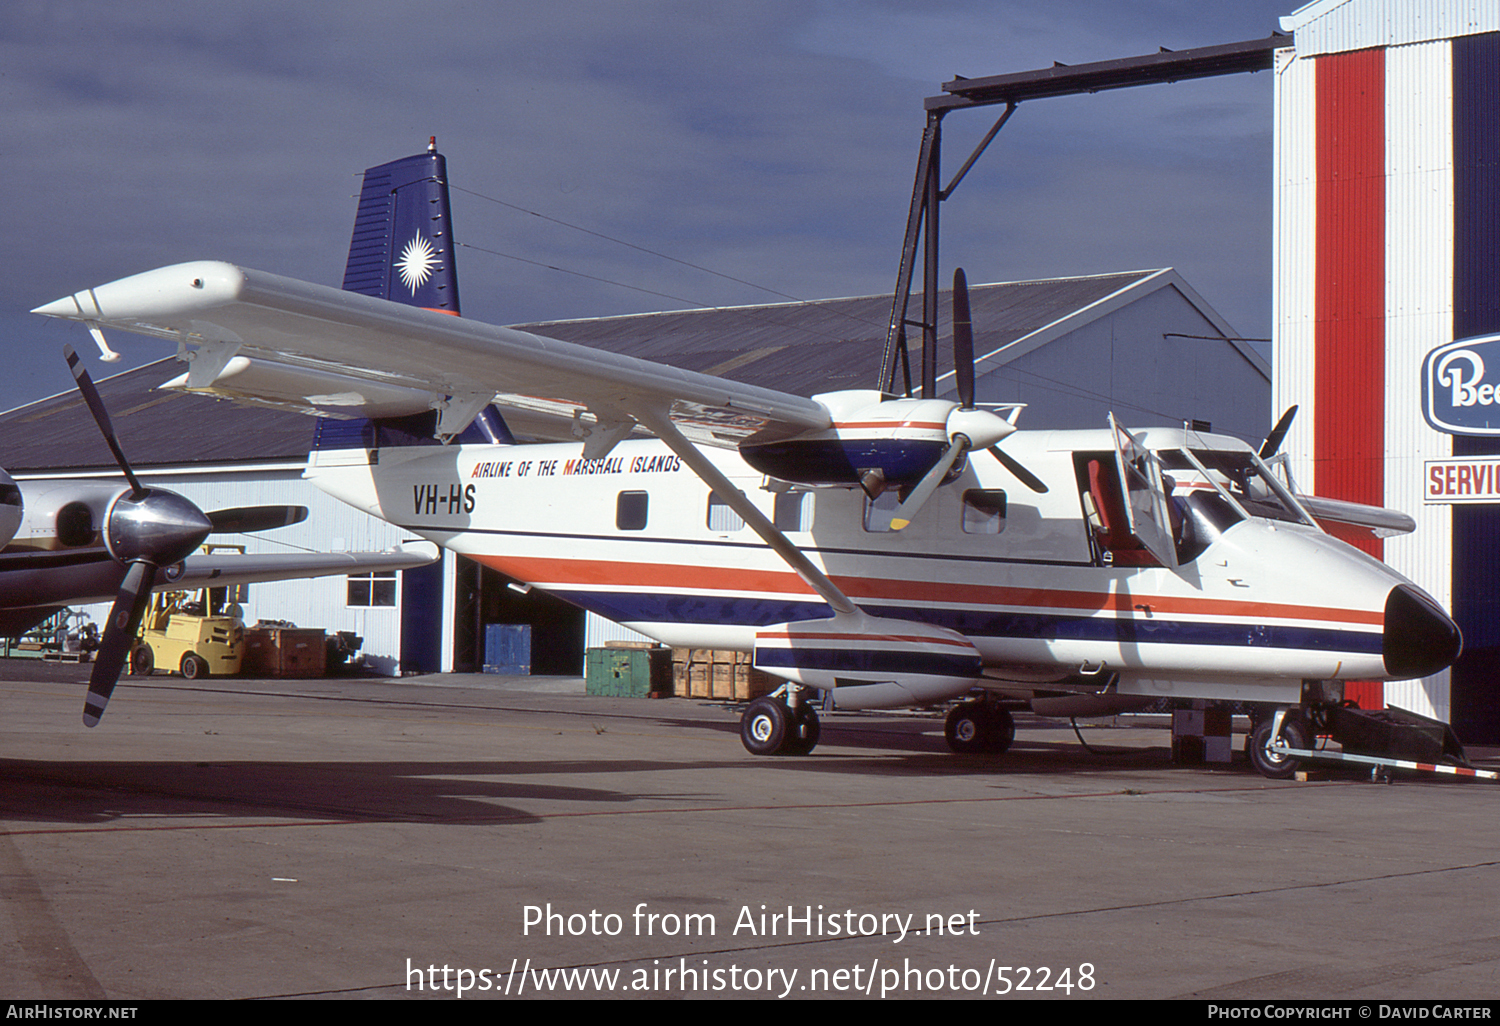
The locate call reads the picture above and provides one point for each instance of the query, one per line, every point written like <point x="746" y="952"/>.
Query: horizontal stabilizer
<point x="1377" y="520"/>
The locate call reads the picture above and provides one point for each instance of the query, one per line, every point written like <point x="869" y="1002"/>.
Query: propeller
<point x="963" y="340"/>
<point x="148" y="529"/>
<point x="1273" y="441"/>
<point x="248" y="519"/>
<point x="963" y="373"/>
<point x="968" y="427"/>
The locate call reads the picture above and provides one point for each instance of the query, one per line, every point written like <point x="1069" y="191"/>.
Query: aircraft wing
<point x="229" y="311"/>
<point x="229" y="568"/>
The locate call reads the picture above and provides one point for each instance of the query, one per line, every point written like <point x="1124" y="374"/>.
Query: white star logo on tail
<point x="416" y="263"/>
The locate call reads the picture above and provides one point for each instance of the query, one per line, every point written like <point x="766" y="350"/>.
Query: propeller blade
<point x="1273" y="441"/>
<point x="101" y="417"/>
<point x="119" y="634"/>
<point x="1025" y="476"/>
<point x="907" y="511"/>
<point x="963" y="340"/>
<point x="246" y="519"/>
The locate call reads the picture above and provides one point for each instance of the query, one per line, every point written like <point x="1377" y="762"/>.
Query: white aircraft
<point x="883" y="551"/>
<point x="67" y="542"/>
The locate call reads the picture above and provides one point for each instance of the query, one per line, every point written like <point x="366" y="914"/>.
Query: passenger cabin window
<point x="630" y="511"/>
<point x="880" y="510"/>
<point x="793" y="512"/>
<point x="984" y="511"/>
<point x="720" y="517"/>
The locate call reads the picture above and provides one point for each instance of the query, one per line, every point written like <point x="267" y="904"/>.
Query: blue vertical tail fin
<point x="402" y="246"/>
<point x="402" y="250"/>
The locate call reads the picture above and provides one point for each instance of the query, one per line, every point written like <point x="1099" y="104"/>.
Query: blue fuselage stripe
<point x="974" y="623"/>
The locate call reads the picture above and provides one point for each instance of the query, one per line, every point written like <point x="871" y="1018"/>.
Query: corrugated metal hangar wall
<point x="1387" y="247"/>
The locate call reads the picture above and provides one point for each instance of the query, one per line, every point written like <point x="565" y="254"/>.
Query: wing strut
<point x="661" y="425"/>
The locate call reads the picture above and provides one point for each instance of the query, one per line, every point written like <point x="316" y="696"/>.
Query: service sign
<point x="1461" y="386"/>
<point x="1462" y="479"/>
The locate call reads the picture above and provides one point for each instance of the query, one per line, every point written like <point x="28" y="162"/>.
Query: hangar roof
<point x="802" y="348"/>
<point x="831" y="344"/>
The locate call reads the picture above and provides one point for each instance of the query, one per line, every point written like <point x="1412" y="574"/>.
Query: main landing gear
<point x="781" y="723"/>
<point x="979" y="726"/>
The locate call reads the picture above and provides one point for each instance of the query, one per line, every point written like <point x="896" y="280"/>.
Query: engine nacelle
<point x="12" y="508"/>
<point x="870" y="662"/>
<point x="898" y="440"/>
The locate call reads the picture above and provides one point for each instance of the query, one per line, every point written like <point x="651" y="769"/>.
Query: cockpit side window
<point x="1212" y="490"/>
<point x="1244" y="480"/>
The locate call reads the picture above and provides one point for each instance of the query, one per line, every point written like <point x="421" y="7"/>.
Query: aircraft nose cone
<point x="1419" y="639"/>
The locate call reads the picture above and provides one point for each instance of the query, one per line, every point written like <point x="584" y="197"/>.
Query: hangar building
<point x="1140" y="343"/>
<point x="1387" y="277"/>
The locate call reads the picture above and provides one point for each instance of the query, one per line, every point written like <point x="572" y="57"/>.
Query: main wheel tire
<point x="194" y="666"/>
<point x="142" y="661"/>
<point x="1294" y="734"/>
<point x="1002" y="730"/>
<point x="969" y="728"/>
<point x="804" y="733"/>
<point x="764" y="727"/>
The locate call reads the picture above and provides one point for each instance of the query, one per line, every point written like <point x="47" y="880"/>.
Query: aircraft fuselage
<point x="1254" y="606"/>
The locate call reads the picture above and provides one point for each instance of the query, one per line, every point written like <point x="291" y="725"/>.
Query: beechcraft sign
<point x="1461" y="386"/>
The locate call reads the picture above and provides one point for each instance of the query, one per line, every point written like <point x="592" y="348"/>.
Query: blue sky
<point x="770" y="142"/>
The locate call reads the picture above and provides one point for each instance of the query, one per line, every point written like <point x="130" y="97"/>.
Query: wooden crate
<point x="284" y="652"/>
<point x="633" y="672"/>
<point x="722" y="675"/>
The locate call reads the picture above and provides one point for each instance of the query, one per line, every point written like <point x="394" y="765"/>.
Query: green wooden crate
<point x="628" y="672"/>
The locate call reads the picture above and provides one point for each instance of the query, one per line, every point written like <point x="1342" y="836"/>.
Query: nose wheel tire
<point x="1276" y="766"/>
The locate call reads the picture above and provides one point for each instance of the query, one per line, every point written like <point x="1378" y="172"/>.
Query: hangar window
<point x="630" y="511"/>
<point x="377" y="589"/>
<point x="984" y="511"/>
<point x="720" y="517"/>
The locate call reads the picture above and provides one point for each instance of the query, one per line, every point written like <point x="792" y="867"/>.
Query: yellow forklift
<point x="195" y="633"/>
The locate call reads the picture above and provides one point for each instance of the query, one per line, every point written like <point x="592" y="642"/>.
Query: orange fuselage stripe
<point x="593" y="572"/>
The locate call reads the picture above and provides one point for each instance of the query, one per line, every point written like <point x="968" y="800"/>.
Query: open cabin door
<point x="1147" y="512"/>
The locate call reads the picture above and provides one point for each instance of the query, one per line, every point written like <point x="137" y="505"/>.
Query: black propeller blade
<point x="963" y="340"/>
<point x="963" y="374"/>
<point x="1025" y="476"/>
<point x="1273" y="441"/>
<point x="247" y="519"/>
<point x="119" y="635"/>
<point x="101" y="416"/>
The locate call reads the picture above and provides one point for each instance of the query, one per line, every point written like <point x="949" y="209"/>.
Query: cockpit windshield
<point x="1211" y="490"/>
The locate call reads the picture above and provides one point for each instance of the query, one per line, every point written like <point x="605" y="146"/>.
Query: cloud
<point x="772" y="142"/>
